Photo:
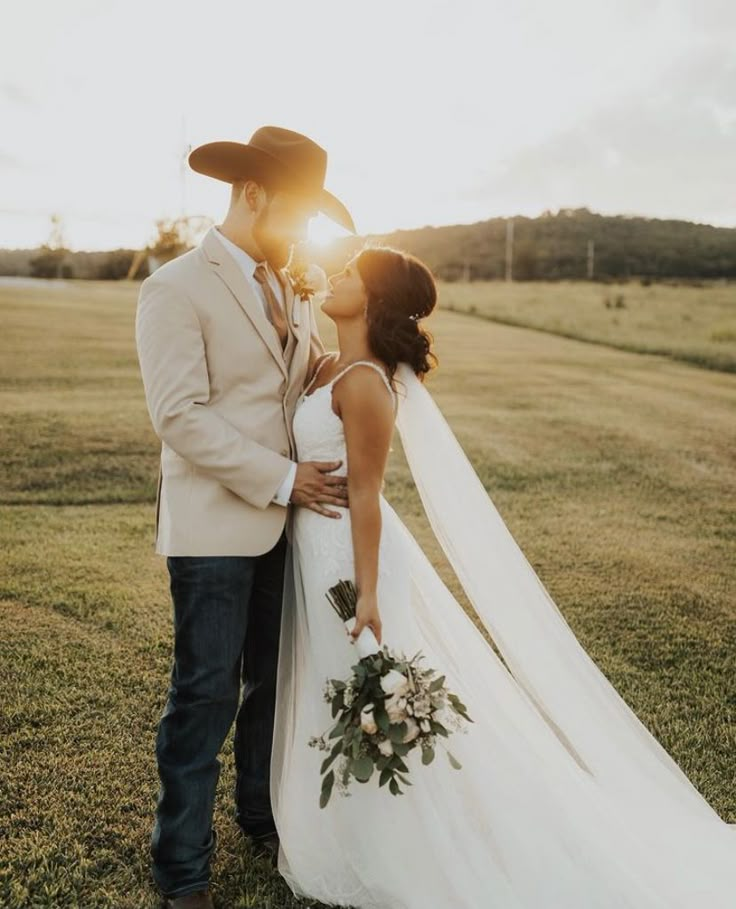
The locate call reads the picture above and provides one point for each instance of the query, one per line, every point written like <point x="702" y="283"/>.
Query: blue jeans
<point x="227" y="620"/>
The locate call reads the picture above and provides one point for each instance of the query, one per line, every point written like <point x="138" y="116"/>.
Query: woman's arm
<point x="364" y="404"/>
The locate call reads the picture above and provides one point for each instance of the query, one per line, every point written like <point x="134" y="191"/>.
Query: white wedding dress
<point x="564" y="799"/>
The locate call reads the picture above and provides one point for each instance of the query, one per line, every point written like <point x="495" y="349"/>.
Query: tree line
<point x="552" y="246"/>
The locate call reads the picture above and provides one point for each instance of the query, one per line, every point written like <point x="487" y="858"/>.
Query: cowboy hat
<point x="288" y="159"/>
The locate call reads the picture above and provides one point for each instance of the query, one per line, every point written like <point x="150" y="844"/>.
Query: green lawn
<point x="693" y="324"/>
<point x="613" y="470"/>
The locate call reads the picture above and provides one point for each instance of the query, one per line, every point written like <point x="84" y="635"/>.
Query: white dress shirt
<point x="248" y="265"/>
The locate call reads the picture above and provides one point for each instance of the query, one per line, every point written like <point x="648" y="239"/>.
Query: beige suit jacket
<point x="221" y="395"/>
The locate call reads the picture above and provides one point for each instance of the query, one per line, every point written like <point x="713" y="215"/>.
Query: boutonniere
<point x="307" y="281"/>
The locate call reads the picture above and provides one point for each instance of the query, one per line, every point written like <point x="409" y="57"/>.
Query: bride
<point x="564" y="799"/>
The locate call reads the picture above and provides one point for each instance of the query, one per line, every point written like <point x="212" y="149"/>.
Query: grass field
<point x="693" y="324"/>
<point x="614" y="471"/>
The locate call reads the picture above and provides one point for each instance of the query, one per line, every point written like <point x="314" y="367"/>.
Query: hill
<point x="554" y="246"/>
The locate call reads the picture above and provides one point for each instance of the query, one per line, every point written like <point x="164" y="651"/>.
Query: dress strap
<point x="325" y="358"/>
<point x="378" y="370"/>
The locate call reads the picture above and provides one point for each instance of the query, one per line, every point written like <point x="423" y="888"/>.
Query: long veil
<point x="593" y="722"/>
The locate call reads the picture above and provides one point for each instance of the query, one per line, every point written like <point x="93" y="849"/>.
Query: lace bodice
<point x="318" y="431"/>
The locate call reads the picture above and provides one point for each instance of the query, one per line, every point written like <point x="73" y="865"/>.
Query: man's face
<point x="281" y="224"/>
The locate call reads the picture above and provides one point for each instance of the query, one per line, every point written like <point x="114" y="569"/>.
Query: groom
<point x="224" y="347"/>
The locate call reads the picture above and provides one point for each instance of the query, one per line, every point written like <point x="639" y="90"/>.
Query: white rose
<point x="422" y="705"/>
<point x="412" y="731"/>
<point x="367" y="723"/>
<point x="394" y="683"/>
<point x="441" y="715"/>
<point x="395" y="708"/>
<point x="386" y="748"/>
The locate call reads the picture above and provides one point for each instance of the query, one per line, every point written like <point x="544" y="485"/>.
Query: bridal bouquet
<point x="388" y="707"/>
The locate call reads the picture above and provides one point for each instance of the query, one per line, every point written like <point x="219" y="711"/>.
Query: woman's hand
<point x="366" y="613"/>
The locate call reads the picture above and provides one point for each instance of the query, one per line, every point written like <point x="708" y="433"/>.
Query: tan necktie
<point x="277" y="314"/>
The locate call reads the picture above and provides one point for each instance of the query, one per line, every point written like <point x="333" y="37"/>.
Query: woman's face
<point x="347" y="297"/>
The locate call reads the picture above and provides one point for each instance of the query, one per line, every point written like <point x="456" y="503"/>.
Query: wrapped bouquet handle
<point x="343" y="598"/>
<point x="366" y="643"/>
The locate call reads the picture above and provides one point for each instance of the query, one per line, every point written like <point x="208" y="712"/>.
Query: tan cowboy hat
<point x="289" y="159"/>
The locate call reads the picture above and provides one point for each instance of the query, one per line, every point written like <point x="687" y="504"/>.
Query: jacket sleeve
<point x="173" y="366"/>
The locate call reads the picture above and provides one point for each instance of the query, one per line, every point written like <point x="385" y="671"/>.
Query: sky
<point x="431" y="111"/>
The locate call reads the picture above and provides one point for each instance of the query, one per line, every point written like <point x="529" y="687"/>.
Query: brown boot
<point x="266" y="846"/>
<point x="199" y="899"/>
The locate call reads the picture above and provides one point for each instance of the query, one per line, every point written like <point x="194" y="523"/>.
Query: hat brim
<point x="334" y="209"/>
<point x="231" y="161"/>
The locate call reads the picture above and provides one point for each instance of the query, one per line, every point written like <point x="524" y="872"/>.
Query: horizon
<point x="328" y="242"/>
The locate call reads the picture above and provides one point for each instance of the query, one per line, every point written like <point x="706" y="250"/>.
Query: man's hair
<point x="237" y="187"/>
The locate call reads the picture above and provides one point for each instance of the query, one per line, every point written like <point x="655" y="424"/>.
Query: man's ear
<point x="254" y="195"/>
<point x="250" y="194"/>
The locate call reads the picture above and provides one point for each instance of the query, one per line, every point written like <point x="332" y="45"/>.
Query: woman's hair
<point x="401" y="291"/>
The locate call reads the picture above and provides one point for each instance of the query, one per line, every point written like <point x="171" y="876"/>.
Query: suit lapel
<point x="232" y="275"/>
<point x="301" y="331"/>
<point x="283" y="276"/>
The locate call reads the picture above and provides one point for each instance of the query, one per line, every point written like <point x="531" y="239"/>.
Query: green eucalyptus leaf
<point x="402" y="748"/>
<point x="382" y="720"/>
<point x="326" y="789"/>
<point x="437" y="683"/>
<point x="326" y="763"/>
<point x="362" y="768"/>
<point x="340" y="726"/>
<point x="397" y="731"/>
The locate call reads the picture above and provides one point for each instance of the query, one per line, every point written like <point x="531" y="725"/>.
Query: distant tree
<point x="115" y="265"/>
<point x="525" y="262"/>
<point x="48" y="263"/>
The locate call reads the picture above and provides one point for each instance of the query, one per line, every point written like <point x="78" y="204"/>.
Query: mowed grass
<point x="693" y="324"/>
<point x="614" y="471"/>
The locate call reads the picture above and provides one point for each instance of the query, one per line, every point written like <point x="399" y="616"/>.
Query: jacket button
<point x="284" y="451"/>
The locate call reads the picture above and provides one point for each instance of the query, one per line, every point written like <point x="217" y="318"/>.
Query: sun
<point x="323" y="231"/>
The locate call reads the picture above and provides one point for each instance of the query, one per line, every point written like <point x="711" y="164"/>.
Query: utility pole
<point x="466" y="271"/>
<point x="509" y="248"/>
<point x="56" y="237"/>
<point x="591" y="259"/>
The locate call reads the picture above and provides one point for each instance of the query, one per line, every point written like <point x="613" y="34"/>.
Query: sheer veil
<point x="593" y="722"/>
<point x="564" y="797"/>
